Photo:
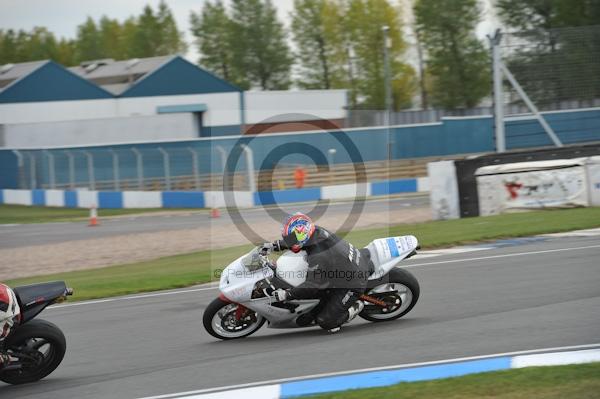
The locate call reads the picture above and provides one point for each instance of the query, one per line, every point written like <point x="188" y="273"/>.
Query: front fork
<point x="240" y="311"/>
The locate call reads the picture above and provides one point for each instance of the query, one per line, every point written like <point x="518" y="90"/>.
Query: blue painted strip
<point x="110" y="199"/>
<point x="183" y="199"/>
<point x="38" y="197"/>
<point x="1" y="196"/>
<point x="394" y="187"/>
<point x="70" y="199"/>
<point x="287" y="196"/>
<point x="393" y="247"/>
<point x="391" y="377"/>
<point x="170" y="109"/>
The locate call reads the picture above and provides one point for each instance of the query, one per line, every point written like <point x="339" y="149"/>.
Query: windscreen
<point x="252" y="261"/>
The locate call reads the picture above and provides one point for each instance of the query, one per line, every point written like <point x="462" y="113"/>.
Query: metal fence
<point x="557" y="68"/>
<point x="157" y="168"/>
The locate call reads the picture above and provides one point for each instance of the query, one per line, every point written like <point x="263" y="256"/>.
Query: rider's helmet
<point x="297" y="230"/>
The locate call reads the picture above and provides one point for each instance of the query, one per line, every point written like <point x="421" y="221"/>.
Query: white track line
<point x="501" y="256"/>
<point x="124" y="298"/>
<point x="144" y="296"/>
<point x="366" y="370"/>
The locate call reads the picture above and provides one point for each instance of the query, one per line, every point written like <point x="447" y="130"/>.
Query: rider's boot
<point x="354" y="310"/>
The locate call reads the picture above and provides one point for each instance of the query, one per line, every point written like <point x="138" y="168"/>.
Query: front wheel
<point x="40" y="347"/>
<point x="399" y="290"/>
<point x="226" y="320"/>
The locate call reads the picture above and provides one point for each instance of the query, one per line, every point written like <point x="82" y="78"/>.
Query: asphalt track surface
<point x="15" y="236"/>
<point x="537" y="295"/>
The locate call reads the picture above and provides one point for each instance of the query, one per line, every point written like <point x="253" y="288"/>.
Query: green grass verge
<point x="19" y="214"/>
<point x="462" y="231"/>
<point x="159" y="274"/>
<point x="189" y="269"/>
<point x="574" y="381"/>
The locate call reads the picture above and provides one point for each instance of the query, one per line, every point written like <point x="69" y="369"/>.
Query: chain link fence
<point x="558" y="68"/>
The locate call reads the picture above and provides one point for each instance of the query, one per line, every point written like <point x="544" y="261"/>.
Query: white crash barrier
<point x="443" y="190"/>
<point x="87" y="199"/>
<point x="142" y="199"/>
<point x="559" y="183"/>
<point x="593" y="175"/>
<point x="17" y="197"/>
<point x="219" y="199"/>
<point x="341" y="191"/>
<point x="55" y="198"/>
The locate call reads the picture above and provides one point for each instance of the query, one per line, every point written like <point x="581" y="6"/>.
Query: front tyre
<point x="223" y="320"/>
<point x="399" y="289"/>
<point x="40" y="347"/>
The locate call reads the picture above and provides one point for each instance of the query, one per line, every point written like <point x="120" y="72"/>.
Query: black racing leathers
<point x="332" y="264"/>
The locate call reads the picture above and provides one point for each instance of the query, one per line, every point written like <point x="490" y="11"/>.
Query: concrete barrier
<point x="208" y="199"/>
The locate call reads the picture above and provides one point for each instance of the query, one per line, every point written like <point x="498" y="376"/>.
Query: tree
<point x="364" y="21"/>
<point x="150" y="34"/>
<point x="213" y="32"/>
<point x="38" y="44"/>
<point x="457" y="62"/>
<point x="8" y="46"/>
<point x="65" y="52"/>
<point x="259" y="47"/>
<point x="548" y="14"/>
<point x="558" y="58"/>
<point x="146" y="39"/>
<point x="171" y="40"/>
<point x="315" y="42"/>
<point x="156" y="33"/>
<point x="128" y="37"/>
<point x="110" y="37"/>
<point x="88" y="45"/>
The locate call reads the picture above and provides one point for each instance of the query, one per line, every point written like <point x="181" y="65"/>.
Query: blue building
<point x="45" y="81"/>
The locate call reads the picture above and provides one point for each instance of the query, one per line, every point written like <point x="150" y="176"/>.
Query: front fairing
<point x="237" y="282"/>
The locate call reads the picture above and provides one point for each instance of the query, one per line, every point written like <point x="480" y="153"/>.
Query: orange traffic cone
<point x="93" y="217"/>
<point x="215" y="213"/>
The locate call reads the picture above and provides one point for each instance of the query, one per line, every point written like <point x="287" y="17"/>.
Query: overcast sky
<point x="62" y="16"/>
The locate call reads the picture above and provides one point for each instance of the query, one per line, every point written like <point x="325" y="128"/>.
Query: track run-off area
<point x="532" y="294"/>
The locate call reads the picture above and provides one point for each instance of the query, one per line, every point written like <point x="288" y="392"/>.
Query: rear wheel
<point x="399" y="289"/>
<point x="40" y="347"/>
<point x="226" y="320"/>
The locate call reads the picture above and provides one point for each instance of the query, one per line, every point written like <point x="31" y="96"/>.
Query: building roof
<point x="44" y="81"/>
<point x="118" y="76"/>
<point x="10" y="73"/>
<point x="107" y="78"/>
<point x="167" y="75"/>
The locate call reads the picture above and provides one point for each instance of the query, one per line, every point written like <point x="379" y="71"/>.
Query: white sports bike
<point x="246" y="285"/>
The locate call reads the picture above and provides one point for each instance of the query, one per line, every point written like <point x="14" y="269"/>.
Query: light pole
<point x="331" y="152"/>
<point x="498" y="94"/>
<point x="387" y="44"/>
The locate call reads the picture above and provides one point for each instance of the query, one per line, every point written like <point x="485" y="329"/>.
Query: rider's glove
<point x="5" y="359"/>
<point x="276" y="246"/>
<point x="281" y="295"/>
<point x="266" y="248"/>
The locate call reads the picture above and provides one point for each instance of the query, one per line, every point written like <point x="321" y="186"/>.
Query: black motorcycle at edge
<point x="36" y="346"/>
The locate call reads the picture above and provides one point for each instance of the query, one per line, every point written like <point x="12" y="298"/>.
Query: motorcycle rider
<point x="336" y="270"/>
<point x="9" y="315"/>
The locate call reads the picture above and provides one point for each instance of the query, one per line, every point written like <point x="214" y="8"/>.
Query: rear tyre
<point x="44" y="347"/>
<point x="399" y="289"/>
<point x="220" y="320"/>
